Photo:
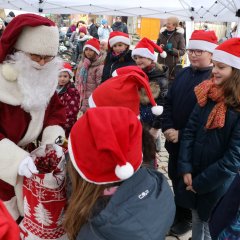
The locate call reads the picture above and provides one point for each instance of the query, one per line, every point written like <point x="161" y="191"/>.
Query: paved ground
<point x="162" y="158"/>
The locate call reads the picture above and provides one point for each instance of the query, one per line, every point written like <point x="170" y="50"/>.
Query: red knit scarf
<point x="208" y="90"/>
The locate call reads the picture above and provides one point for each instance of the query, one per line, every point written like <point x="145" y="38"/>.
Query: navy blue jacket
<point x="211" y="155"/>
<point x="114" y="62"/>
<point x="142" y="208"/>
<point x="180" y="102"/>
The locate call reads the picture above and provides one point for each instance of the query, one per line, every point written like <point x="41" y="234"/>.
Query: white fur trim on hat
<point x="118" y="39"/>
<point x="41" y="40"/>
<point x="9" y="72"/>
<point x="114" y="73"/>
<point x="91" y="102"/>
<point x="144" y="52"/>
<point x="66" y="70"/>
<point x="227" y="58"/>
<point x="91" y="47"/>
<point x="157" y="110"/>
<point x="202" y="45"/>
<point x="125" y="171"/>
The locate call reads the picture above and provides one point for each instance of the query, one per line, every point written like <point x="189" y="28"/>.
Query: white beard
<point x="36" y="83"/>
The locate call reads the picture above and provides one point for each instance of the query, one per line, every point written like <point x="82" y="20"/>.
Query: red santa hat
<point x="30" y="33"/>
<point x="203" y="40"/>
<point x="129" y="69"/>
<point x="105" y="145"/>
<point x="93" y="44"/>
<point x="67" y="68"/>
<point x="8" y="227"/>
<point x="145" y="48"/>
<point x="123" y="90"/>
<point x="116" y="37"/>
<point x="228" y="52"/>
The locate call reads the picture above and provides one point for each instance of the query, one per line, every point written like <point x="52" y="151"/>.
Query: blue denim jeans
<point x="200" y="230"/>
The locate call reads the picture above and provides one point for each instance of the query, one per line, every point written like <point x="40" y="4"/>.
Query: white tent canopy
<point x="197" y="10"/>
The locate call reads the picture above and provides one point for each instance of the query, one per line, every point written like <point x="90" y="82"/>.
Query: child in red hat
<point x="145" y="58"/>
<point x="113" y="197"/>
<point x="119" y="54"/>
<point x="209" y="157"/>
<point x="89" y="71"/>
<point x="68" y="95"/>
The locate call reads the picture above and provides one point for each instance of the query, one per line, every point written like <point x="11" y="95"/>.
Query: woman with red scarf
<point x="209" y="156"/>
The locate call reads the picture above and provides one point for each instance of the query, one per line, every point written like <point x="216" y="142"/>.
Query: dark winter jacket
<point x="142" y="208"/>
<point x="180" y="102"/>
<point x="158" y="79"/>
<point x="93" y="31"/>
<point x="120" y="27"/>
<point x="227" y="213"/>
<point x="114" y="62"/>
<point x="70" y="98"/>
<point x="177" y="49"/>
<point x="79" y="48"/>
<point x="212" y="156"/>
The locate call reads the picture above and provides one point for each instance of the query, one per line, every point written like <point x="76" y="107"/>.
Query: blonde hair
<point x="174" y="21"/>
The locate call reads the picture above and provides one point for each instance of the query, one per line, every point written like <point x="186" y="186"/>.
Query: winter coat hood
<point x="142" y="208"/>
<point x="178" y="30"/>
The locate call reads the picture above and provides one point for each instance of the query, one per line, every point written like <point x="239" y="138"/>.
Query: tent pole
<point x="189" y="30"/>
<point x="238" y="27"/>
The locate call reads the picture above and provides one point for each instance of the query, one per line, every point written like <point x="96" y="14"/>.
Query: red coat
<point x="70" y="98"/>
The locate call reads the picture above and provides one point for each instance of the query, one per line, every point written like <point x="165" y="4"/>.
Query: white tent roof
<point x="200" y="10"/>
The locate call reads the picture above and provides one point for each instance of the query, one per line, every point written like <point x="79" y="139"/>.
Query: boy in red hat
<point x="29" y="107"/>
<point x="179" y="104"/>
<point x="113" y="197"/>
<point x="119" y="54"/>
<point x="68" y="95"/>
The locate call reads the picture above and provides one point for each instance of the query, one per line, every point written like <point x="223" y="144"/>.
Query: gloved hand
<point x="27" y="167"/>
<point x="58" y="149"/>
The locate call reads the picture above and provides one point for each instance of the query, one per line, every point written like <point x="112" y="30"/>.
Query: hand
<point x="27" y="167"/>
<point x="187" y="178"/>
<point x="171" y="135"/>
<point x="58" y="150"/>
<point x="190" y="188"/>
<point x="154" y="132"/>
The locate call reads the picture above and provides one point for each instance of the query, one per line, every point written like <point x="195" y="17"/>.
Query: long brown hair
<point x="231" y="89"/>
<point x="83" y="198"/>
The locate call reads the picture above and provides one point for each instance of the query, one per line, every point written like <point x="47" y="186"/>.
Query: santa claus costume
<point x="29" y="107"/>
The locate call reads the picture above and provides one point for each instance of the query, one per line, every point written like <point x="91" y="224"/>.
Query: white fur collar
<point x="9" y="91"/>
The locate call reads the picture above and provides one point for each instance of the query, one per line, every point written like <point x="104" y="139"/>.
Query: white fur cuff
<point x="10" y="158"/>
<point x="51" y="133"/>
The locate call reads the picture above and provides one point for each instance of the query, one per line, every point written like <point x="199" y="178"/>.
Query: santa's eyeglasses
<point x="38" y="58"/>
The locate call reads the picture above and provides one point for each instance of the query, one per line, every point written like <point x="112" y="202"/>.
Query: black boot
<point x="183" y="221"/>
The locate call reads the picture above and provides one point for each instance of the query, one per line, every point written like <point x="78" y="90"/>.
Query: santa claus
<point x="29" y="107"/>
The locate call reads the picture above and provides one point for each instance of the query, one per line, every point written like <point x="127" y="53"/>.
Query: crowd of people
<point x="111" y="112"/>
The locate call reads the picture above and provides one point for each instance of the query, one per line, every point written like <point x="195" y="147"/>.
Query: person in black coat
<point x="119" y="26"/>
<point x="92" y="29"/>
<point x="144" y="56"/>
<point x="209" y="156"/>
<point x="119" y="55"/>
<point x="179" y="104"/>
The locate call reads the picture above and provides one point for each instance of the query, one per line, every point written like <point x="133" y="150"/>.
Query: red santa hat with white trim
<point x="118" y="37"/>
<point x="129" y="69"/>
<point x="145" y="48"/>
<point x="228" y="52"/>
<point x="29" y="33"/>
<point x="67" y="68"/>
<point x="105" y="145"/>
<point x="123" y="91"/>
<point x="203" y="40"/>
<point x="93" y="44"/>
